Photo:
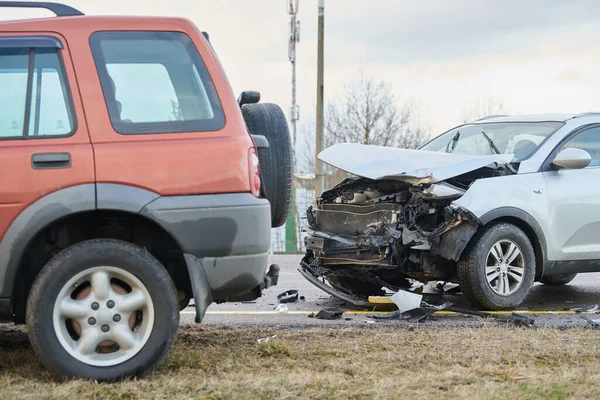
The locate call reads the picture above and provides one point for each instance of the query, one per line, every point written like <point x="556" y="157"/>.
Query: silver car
<point x="493" y="205"/>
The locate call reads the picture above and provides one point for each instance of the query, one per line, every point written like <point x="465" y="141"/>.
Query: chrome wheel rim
<point x="103" y="316"/>
<point x="505" y="267"/>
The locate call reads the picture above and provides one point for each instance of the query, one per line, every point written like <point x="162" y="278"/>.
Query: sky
<point x="534" y="56"/>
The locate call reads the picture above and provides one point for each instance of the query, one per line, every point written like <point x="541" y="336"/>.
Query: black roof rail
<point x="61" y="10"/>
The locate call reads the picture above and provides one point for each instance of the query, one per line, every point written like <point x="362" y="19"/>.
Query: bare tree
<point x="368" y="114"/>
<point x="483" y="108"/>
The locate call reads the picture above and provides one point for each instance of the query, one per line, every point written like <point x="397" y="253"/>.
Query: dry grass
<point x="215" y="363"/>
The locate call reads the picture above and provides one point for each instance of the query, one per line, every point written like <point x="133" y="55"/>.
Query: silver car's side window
<point x="588" y="140"/>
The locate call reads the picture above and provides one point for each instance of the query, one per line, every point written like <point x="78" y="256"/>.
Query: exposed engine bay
<point x="365" y="235"/>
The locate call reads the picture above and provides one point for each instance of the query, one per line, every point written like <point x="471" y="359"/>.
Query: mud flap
<point x="200" y="288"/>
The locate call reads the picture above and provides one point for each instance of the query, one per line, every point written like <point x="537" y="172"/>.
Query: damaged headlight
<point x="442" y="191"/>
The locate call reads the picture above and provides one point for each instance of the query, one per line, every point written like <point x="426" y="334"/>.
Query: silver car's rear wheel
<point x="505" y="267"/>
<point x="103" y="316"/>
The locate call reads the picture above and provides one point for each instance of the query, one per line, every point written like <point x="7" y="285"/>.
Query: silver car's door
<point x="574" y="202"/>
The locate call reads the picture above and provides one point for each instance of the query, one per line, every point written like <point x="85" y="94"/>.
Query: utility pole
<point x="319" y="145"/>
<point x="291" y="237"/>
<point x="294" y="38"/>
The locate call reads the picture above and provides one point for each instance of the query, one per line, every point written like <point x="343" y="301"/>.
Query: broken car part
<point x="594" y="324"/>
<point x="405" y="300"/>
<point x="290" y="296"/>
<point x="330" y="313"/>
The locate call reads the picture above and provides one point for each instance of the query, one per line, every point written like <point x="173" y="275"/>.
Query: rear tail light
<point x="254" y="169"/>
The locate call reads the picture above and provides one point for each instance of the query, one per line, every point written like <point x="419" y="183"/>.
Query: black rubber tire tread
<point x="276" y="162"/>
<point x="557" y="280"/>
<point x="93" y="253"/>
<point x="471" y="268"/>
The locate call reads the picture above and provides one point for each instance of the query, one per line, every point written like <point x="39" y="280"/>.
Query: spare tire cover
<point x="276" y="162"/>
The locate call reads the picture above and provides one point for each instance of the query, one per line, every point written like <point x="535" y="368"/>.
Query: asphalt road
<point x="583" y="291"/>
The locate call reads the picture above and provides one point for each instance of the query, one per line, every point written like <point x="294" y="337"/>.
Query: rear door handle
<point x="51" y="160"/>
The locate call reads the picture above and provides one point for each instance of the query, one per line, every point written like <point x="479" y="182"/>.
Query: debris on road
<point x="329" y="313"/>
<point x="267" y="339"/>
<point x="416" y="315"/>
<point x="521" y="320"/>
<point x="406" y="300"/>
<point x="594" y="323"/>
<point x="282" y="308"/>
<point x="302" y="298"/>
<point x="392" y="315"/>
<point x="290" y="296"/>
<point x="590" y="308"/>
<point x="439" y="307"/>
<point x="441" y="288"/>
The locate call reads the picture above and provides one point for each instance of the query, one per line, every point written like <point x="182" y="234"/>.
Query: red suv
<point x="133" y="180"/>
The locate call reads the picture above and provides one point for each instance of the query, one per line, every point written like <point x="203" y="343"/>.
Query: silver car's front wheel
<point x="103" y="316"/>
<point x="505" y="267"/>
<point x="497" y="270"/>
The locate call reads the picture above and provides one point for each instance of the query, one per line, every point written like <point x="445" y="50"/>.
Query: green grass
<point x="354" y="363"/>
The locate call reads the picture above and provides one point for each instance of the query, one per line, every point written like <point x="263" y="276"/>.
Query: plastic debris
<point x="594" y="323"/>
<point x="282" y="309"/>
<point x="521" y="320"/>
<point x="439" y="307"/>
<point x="330" y="313"/>
<point x="266" y="339"/>
<point x="590" y="308"/>
<point x="391" y="315"/>
<point x="415" y="315"/>
<point x="290" y="296"/>
<point x="406" y="300"/>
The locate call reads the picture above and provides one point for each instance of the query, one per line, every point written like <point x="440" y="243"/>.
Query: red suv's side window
<point x="155" y="82"/>
<point x="34" y="98"/>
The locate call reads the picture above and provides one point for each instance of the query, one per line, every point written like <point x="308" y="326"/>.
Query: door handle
<point x="51" y="160"/>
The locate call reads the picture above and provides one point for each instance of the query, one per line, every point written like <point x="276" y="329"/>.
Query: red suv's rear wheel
<point x="104" y="310"/>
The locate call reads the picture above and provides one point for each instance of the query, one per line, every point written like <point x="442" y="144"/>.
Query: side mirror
<point x="572" y="159"/>
<point x="249" y="97"/>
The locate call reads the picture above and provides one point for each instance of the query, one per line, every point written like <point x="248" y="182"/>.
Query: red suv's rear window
<point x="155" y="82"/>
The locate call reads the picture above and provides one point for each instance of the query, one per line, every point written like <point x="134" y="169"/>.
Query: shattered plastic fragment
<point x="440" y="307"/>
<point x="282" y="308"/>
<point x="290" y="296"/>
<point x="592" y="307"/>
<point x="415" y="315"/>
<point x="521" y="320"/>
<point x="594" y="323"/>
<point x="391" y="315"/>
<point x="330" y="313"/>
<point x="267" y="339"/>
<point x="406" y="300"/>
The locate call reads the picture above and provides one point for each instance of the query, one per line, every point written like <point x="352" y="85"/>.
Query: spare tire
<point x="276" y="162"/>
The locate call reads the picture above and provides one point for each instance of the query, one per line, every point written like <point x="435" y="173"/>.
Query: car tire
<point x="276" y="161"/>
<point x="487" y="279"/>
<point x="557" y="280"/>
<point x="104" y="310"/>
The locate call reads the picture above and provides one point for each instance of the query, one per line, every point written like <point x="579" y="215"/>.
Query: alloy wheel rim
<point x="505" y="267"/>
<point x="103" y="316"/>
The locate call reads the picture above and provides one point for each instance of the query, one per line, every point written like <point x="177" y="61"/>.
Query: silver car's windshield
<point x="518" y="138"/>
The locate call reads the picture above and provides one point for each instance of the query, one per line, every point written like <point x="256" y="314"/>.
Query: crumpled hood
<point x="415" y="166"/>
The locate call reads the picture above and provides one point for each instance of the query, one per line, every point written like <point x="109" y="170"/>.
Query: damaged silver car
<point x="493" y="205"/>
